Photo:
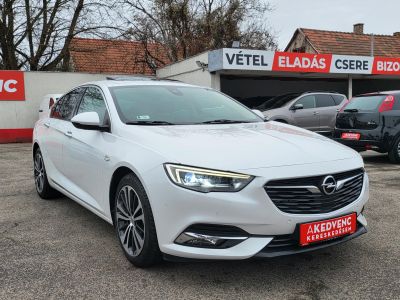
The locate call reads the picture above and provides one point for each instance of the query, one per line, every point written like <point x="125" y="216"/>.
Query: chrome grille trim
<point x="308" y="198"/>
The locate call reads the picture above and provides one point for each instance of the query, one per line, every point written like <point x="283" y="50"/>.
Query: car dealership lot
<point x="59" y="249"/>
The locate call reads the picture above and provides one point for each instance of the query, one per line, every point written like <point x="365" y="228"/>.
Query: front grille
<point x="304" y="195"/>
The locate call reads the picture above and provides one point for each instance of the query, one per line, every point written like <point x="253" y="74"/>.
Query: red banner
<point x="302" y="62"/>
<point x="385" y="65"/>
<point x="12" y="87"/>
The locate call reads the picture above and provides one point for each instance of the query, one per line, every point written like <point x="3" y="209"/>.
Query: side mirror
<point x="297" y="106"/>
<point x="88" y="121"/>
<point x="258" y="113"/>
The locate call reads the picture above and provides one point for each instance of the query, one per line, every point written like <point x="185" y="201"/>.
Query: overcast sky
<point x="379" y="16"/>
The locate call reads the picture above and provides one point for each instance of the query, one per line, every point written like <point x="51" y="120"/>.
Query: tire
<point x="134" y="223"/>
<point x="394" y="153"/>
<point x="43" y="188"/>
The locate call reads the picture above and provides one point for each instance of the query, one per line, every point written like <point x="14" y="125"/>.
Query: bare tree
<point x="36" y="34"/>
<point x="188" y="27"/>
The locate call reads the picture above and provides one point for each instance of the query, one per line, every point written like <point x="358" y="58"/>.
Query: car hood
<point x="238" y="146"/>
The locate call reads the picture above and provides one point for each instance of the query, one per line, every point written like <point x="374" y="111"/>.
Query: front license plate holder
<point x="323" y="230"/>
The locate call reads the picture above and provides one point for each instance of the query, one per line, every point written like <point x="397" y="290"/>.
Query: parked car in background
<point x="371" y="122"/>
<point x="276" y="101"/>
<point x="47" y="102"/>
<point x="315" y="111"/>
<point x="185" y="171"/>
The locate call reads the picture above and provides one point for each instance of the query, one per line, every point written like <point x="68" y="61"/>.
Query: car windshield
<point x="177" y="105"/>
<point x="365" y="103"/>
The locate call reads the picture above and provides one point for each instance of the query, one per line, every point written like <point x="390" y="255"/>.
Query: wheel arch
<point x="118" y="174"/>
<point x="34" y="148"/>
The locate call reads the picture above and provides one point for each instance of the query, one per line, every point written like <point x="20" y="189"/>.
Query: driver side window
<point x="307" y="102"/>
<point x="93" y="101"/>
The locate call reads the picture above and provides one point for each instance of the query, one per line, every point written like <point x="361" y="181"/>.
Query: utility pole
<point x="372" y="44"/>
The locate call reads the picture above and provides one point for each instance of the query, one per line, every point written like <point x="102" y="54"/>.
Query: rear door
<point x="61" y="118"/>
<point x="307" y="117"/>
<point x="327" y="111"/>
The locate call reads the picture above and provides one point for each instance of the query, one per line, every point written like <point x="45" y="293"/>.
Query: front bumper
<point x="251" y="210"/>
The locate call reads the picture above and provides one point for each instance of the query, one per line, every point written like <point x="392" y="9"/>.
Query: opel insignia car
<point x="186" y="172"/>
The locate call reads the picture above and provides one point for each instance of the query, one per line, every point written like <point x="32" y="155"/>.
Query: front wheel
<point x="394" y="153"/>
<point x="134" y="223"/>
<point x="42" y="185"/>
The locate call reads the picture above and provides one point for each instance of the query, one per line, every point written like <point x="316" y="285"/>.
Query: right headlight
<point x="206" y="180"/>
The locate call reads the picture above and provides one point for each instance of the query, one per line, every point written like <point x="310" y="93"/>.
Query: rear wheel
<point x="394" y="153"/>
<point x="42" y="185"/>
<point x="134" y="223"/>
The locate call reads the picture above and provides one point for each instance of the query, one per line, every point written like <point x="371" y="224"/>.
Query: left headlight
<point x="205" y="180"/>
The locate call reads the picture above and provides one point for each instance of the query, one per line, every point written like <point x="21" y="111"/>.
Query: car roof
<point x="138" y="82"/>
<point x="395" y="92"/>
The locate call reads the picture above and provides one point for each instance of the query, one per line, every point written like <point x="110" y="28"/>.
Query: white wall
<point x="24" y="114"/>
<point x="187" y="71"/>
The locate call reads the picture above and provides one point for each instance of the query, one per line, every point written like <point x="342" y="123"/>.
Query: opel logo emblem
<point x="328" y="185"/>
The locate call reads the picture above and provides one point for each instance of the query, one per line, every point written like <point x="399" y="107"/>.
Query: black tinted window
<point x="307" y="101"/>
<point x="68" y="103"/>
<point x="93" y="101"/>
<point x="368" y="103"/>
<point x="396" y="105"/>
<point x="338" y="99"/>
<point x="325" y="101"/>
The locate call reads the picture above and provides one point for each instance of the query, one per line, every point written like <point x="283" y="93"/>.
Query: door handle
<point x="316" y="113"/>
<point x="68" y="133"/>
<point x="47" y="124"/>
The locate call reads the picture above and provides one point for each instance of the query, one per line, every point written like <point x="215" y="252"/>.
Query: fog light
<point x="207" y="241"/>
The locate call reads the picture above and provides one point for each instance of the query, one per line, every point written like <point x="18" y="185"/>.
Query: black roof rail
<point x="320" y="91"/>
<point x="130" y="78"/>
<point x="139" y="78"/>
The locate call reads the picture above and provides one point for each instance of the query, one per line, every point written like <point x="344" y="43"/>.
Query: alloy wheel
<point x="398" y="148"/>
<point x="130" y="220"/>
<point x="39" y="172"/>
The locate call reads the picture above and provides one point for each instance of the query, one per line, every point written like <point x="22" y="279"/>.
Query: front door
<point x="307" y="117"/>
<point x="85" y="156"/>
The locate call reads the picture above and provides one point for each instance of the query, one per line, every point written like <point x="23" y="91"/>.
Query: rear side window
<point x="67" y="104"/>
<point x="56" y="109"/>
<point x="307" y="101"/>
<point x="338" y="99"/>
<point x="324" y="100"/>
<point x="366" y="103"/>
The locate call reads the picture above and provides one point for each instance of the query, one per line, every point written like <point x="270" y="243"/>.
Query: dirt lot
<point x="57" y="249"/>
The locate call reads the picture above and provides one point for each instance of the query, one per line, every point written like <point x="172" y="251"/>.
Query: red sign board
<point x="302" y="62"/>
<point x="12" y="87"/>
<point x="385" y="65"/>
<point x="327" y="229"/>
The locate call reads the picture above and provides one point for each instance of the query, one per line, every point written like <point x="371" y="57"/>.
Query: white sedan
<point x="186" y="172"/>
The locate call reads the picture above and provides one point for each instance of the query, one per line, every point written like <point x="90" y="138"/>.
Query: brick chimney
<point x="358" y="28"/>
<point x="397" y="34"/>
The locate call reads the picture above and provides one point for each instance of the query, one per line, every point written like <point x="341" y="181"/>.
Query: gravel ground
<point x="58" y="249"/>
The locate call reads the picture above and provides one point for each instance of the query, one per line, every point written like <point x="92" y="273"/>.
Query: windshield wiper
<point x="149" y="123"/>
<point x="224" y="121"/>
<point x="351" y="110"/>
